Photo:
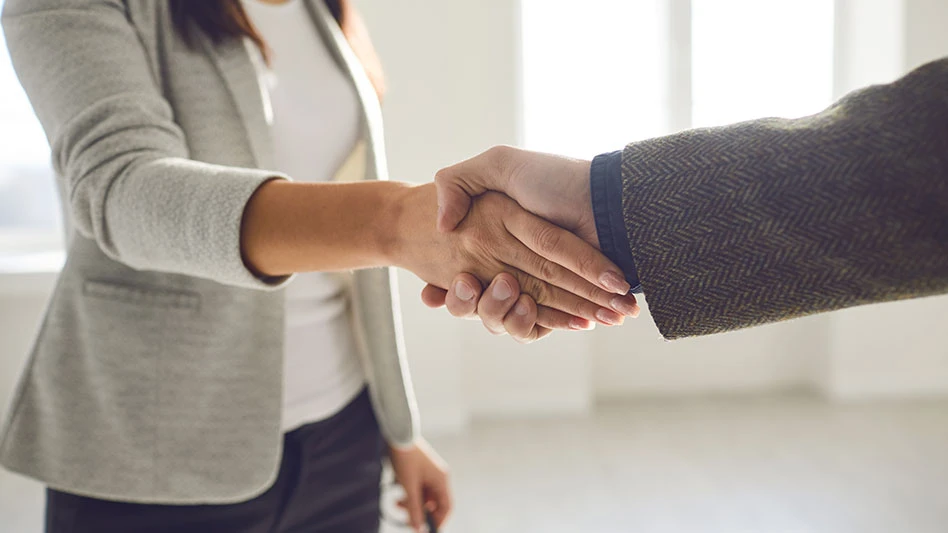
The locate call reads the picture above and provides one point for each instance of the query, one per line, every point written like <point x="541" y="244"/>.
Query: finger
<point x="497" y="301"/>
<point x="550" y="318"/>
<point x="440" y="512"/>
<point x="536" y="265"/>
<point x="552" y="295"/>
<point x="556" y="246"/>
<point x="521" y="321"/>
<point x="456" y="185"/>
<point x="462" y="299"/>
<point x="413" y="504"/>
<point x="439" y="502"/>
<point x="566" y="249"/>
<point x="453" y="203"/>
<point x="433" y="296"/>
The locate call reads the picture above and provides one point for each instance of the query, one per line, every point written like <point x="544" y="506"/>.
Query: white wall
<point x="896" y="349"/>
<point x="633" y="360"/>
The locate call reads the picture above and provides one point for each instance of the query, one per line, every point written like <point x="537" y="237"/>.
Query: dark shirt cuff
<point x="605" y="181"/>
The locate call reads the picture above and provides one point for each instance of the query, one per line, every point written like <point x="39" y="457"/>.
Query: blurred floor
<point x="741" y="465"/>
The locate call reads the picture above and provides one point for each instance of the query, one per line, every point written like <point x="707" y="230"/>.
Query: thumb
<point x="414" y="503"/>
<point x="458" y="183"/>
<point x="453" y="200"/>
<point x="433" y="297"/>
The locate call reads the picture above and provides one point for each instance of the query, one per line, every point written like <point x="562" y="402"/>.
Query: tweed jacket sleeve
<point x="773" y="219"/>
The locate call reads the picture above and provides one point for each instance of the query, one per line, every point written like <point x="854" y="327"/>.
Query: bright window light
<point x="596" y="74"/>
<point x="753" y="58"/>
<point x="29" y="206"/>
<point x="593" y="74"/>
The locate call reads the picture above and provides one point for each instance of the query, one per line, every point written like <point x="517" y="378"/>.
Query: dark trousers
<point x="328" y="482"/>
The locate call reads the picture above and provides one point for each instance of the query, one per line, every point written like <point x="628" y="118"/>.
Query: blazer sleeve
<point x="124" y="162"/>
<point x="773" y="219"/>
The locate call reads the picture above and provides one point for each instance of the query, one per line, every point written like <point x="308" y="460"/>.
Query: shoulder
<point x="136" y="11"/>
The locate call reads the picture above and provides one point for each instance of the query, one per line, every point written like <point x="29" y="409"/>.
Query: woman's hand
<point x="515" y="314"/>
<point x="550" y="264"/>
<point x="500" y="312"/>
<point x="424" y="476"/>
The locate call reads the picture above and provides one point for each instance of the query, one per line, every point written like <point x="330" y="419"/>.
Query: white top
<point x="316" y="123"/>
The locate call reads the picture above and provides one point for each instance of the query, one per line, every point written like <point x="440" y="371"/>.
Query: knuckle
<point x="548" y="270"/>
<point x="540" y="291"/>
<point x="500" y="157"/>
<point x="586" y="263"/>
<point x="498" y="153"/>
<point x="547" y="238"/>
<point x="577" y="306"/>
<point x="442" y="176"/>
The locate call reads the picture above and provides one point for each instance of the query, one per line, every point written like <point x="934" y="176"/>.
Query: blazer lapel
<point x="233" y="61"/>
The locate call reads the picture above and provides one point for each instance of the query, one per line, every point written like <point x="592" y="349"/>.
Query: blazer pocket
<point x="142" y="295"/>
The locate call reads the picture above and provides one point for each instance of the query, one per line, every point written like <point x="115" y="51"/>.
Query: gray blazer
<point x="156" y="375"/>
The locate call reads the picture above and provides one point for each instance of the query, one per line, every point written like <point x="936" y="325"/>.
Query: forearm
<point x="303" y="227"/>
<point x="773" y="219"/>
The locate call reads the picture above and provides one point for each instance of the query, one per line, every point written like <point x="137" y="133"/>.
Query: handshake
<point x="520" y="224"/>
<point x="734" y="227"/>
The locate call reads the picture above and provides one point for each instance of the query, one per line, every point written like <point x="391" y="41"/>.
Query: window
<point x="601" y="73"/>
<point x="29" y="206"/>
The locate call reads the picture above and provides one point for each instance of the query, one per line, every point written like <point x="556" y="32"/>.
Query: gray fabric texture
<point x="773" y="219"/>
<point x="156" y="376"/>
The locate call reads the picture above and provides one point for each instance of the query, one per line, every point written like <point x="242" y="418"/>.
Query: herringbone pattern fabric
<point x="773" y="219"/>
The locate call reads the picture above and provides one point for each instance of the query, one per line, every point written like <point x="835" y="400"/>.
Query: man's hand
<point x="552" y="265"/>
<point x="550" y="186"/>
<point x="502" y="308"/>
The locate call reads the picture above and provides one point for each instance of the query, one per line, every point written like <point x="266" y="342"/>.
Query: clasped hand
<point x="539" y="275"/>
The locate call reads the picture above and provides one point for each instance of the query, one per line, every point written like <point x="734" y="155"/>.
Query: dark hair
<point x="223" y="19"/>
<point x="220" y="19"/>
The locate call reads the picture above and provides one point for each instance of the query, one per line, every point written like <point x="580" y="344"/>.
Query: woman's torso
<point x="316" y="122"/>
<point x="163" y="384"/>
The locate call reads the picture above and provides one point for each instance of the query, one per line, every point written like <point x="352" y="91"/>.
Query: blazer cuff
<point x="184" y="217"/>
<point x="605" y="181"/>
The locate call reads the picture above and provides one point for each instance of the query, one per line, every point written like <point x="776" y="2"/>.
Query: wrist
<point x="395" y="449"/>
<point x="399" y="227"/>
<point x="583" y="217"/>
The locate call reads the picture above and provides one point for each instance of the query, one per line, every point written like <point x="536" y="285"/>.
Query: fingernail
<point x="607" y="317"/>
<point x="463" y="291"/>
<point x="521" y="309"/>
<point x="580" y="324"/>
<point x="502" y="290"/>
<point x="624" y="307"/>
<point x="614" y="283"/>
